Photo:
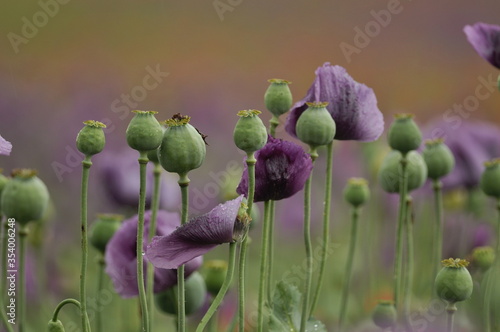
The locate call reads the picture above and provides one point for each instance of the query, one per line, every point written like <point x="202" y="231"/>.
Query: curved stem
<point x="244" y="244"/>
<point x="86" y="164"/>
<point x="348" y="267"/>
<point x="410" y="263"/>
<point x="438" y="231"/>
<point x="62" y="304"/>
<point x="450" y="309"/>
<point x="327" y="203"/>
<point x="308" y="246"/>
<point x="100" y="283"/>
<point x="143" y="161"/>
<point x="270" y="253"/>
<point x="155" y="205"/>
<point x="263" y="266"/>
<point x="181" y="296"/>
<point x="225" y="286"/>
<point x="403" y="181"/>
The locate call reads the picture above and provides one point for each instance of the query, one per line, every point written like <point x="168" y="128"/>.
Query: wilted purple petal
<point x="121" y="258"/>
<point x="197" y="237"/>
<point x="5" y="147"/>
<point x="352" y="105"/>
<point x="485" y="38"/>
<point x="281" y="171"/>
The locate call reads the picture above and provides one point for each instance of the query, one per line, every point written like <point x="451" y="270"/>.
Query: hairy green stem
<point x="273" y="124"/>
<point x="225" y="286"/>
<point x="438" y="231"/>
<point x="403" y="188"/>
<point x="100" y="284"/>
<point x="410" y="265"/>
<point x="86" y="164"/>
<point x="270" y="253"/>
<point x="327" y="203"/>
<point x="263" y="266"/>
<point x="348" y="267"/>
<point x="181" y="295"/>
<point x="143" y="161"/>
<point x="491" y="278"/>
<point x="244" y="244"/>
<point x="62" y="304"/>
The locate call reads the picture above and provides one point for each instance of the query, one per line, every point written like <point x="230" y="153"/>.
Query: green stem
<point x="410" y="265"/>
<point x="263" y="266"/>
<point x="100" y="284"/>
<point x="450" y="309"/>
<point x="244" y="244"/>
<point x="23" y="233"/>
<point x="86" y="164"/>
<point x="181" y="295"/>
<point x="213" y="323"/>
<point x="327" y="203"/>
<point x="270" y="253"/>
<point x="438" y="231"/>
<point x="348" y="267"/>
<point x="273" y="124"/>
<point x="225" y="286"/>
<point x="491" y="278"/>
<point x="150" y="272"/>
<point x="62" y="304"/>
<point x="308" y="246"/>
<point x="399" y="231"/>
<point x="143" y="161"/>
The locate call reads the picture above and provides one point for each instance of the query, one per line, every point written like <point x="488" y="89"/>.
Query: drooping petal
<point x="195" y="238"/>
<point x="485" y="38"/>
<point x="121" y="258"/>
<point x="281" y="171"/>
<point x="352" y="105"/>
<point x="5" y="147"/>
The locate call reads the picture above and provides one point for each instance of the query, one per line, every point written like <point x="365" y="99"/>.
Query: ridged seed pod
<point x="389" y="177"/>
<point x="103" y="229"/>
<point x="144" y="132"/>
<point x="250" y="133"/>
<point x="356" y="192"/>
<point x="195" y="294"/>
<point x="404" y="134"/>
<point x="385" y="314"/>
<point x="316" y="126"/>
<point x="278" y="97"/>
<point x="454" y="282"/>
<point x="91" y="139"/>
<point x="439" y="159"/>
<point x="490" y="179"/>
<point x="215" y="274"/>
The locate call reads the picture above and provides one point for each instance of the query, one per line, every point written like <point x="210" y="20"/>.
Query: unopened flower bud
<point x="439" y="159"/>
<point x="56" y="326"/>
<point x="215" y="274"/>
<point x="454" y="282"/>
<point x="250" y="133"/>
<point x="404" y="134"/>
<point x="483" y="257"/>
<point x="316" y="126"/>
<point x="91" y="139"/>
<point x="385" y="314"/>
<point x="144" y="132"/>
<point x="490" y="180"/>
<point x="278" y="98"/>
<point x="195" y="294"/>
<point x="103" y="229"/>
<point x="356" y="192"/>
<point x="389" y="173"/>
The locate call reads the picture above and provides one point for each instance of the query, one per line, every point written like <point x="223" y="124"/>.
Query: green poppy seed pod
<point x="389" y="176"/>
<point x="56" y="326"/>
<point x="356" y="192"/>
<point x="103" y="229"/>
<point x="490" y="180"/>
<point x="215" y="274"/>
<point x="483" y="257"/>
<point x="404" y="134"/>
<point x="144" y="132"/>
<point x="250" y="134"/>
<point x="91" y="139"/>
<point x="25" y="197"/>
<point x="183" y="146"/>
<point x="454" y="282"/>
<point x="438" y="158"/>
<point x="278" y="97"/>
<point x="316" y="126"/>
<point x="385" y="314"/>
<point x="153" y="156"/>
<point x="195" y="294"/>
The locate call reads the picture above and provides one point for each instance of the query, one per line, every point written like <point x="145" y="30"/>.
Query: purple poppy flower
<point x="197" y="237"/>
<point x="281" y="171"/>
<point x="5" y="147"/>
<point x="121" y="258"/>
<point x="472" y="143"/>
<point x="352" y="105"/>
<point x="485" y="38"/>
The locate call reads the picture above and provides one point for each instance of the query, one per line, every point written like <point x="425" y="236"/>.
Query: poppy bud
<point x="183" y="146"/>
<point x="439" y="159"/>
<point x="195" y="294"/>
<point x="316" y="126"/>
<point x="25" y="197"/>
<point x="490" y="180"/>
<point x="144" y="132"/>
<point x="56" y="326"/>
<point x="385" y="315"/>
<point x="454" y="282"/>
<point x="90" y="139"/>
<point x="249" y="134"/>
<point x="103" y="229"/>
<point x="356" y="192"/>
<point x="278" y="98"/>
<point x="483" y="257"/>
<point x="389" y="174"/>
<point x="215" y="274"/>
<point x="404" y="134"/>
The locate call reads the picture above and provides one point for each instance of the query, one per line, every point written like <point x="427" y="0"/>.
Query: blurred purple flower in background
<point x="281" y="171"/>
<point x="472" y="143"/>
<point x="121" y="258"/>
<point x="5" y="147"/>
<point x="117" y="170"/>
<point x="485" y="38"/>
<point x="197" y="237"/>
<point x="352" y="105"/>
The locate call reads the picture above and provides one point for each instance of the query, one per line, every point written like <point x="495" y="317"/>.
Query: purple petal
<point x="197" y="237"/>
<point x="485" y="38"/>
<point x="352" y="105"/>
<point x="281" y="171"/>
<point x="121" y="258"/>
<point x="5" y="147"/>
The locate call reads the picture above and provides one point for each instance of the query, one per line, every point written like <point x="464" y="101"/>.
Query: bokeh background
<point x="80" y="62"/>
